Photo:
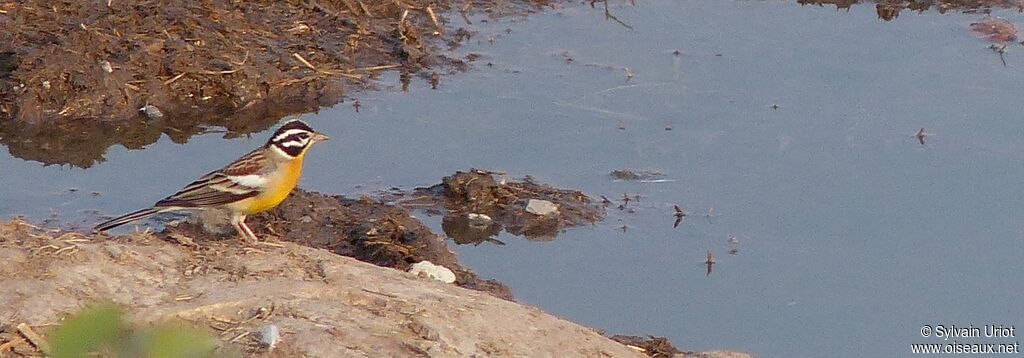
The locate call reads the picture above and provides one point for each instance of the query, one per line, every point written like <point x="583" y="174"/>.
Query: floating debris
<point x="709" y="262"/>
<point x="437" y="272"/>
<point x="506" y="202"/>
<point x="994" y="29"/>
<point x="630" y="174"/>
<point x="734" y="245"/>
<point x="1001" y="50"/>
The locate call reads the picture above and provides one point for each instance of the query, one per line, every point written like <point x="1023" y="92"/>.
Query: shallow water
<point x="852" y="235"/>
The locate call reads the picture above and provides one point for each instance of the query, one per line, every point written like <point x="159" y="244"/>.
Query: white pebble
<point x="541" y="207"/>
<point x="437" y="272"/>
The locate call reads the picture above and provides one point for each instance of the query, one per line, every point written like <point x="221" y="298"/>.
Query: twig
<point x="433" y="18"/>
<point x="376" y="68"/>
<point x="304" y="62"/>
<point x="244" y="59"/>
<point x="342" y="74"/>
<point x="608" y="14"/>
<point x="175" y="78"/>
<point x="367" y="11"/>
<point x="14" y="342"/>
<point x="205" y="72"/>
<point x="34" y="338"/>
<point x="380" y="293"/>
<point x="465" y="9"/>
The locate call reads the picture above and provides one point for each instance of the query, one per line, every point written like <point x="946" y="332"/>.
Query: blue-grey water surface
<point x="852" y="235"/>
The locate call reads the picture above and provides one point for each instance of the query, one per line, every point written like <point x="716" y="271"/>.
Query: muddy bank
<point x="74" y="76"/>
<point x="364" y="229"/>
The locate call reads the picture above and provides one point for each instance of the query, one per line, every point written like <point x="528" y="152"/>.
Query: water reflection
<point x="471" y="229"/>
<point x="84" y="143"/>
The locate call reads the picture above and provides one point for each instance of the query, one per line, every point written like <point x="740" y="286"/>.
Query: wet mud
<point x="74" y="77"/>
<point x="477" y="205"/>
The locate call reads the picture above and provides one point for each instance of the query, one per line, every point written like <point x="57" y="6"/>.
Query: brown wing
<point x="221" y="186"/>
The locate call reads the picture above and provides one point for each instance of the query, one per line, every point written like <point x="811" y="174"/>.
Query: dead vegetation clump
<point x="476" y="206"/>
<point x="74" y="75"/>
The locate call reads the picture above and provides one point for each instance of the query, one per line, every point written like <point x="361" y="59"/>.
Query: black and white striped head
<point x="293" y="138"/>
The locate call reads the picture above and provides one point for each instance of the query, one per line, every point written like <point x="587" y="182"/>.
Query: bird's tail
<point x="127" y="218"/>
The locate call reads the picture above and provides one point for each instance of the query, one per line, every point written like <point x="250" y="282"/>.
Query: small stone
<point x="429" y="269"/>
<point x="269" y="336"/>
<point x="478" y="219"/>
<point x="105" y="65"/>
<point x="541" y="207"/>
<point x="151" y="111"/>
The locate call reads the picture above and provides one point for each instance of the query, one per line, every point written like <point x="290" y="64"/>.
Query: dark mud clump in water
<point x="74" y="75"/>
<point x="652" y="346"/>
<point x="365" y="229"/>
<point x="476" y="207"/>
<point x="889" y="10"/>
<point x="631" y="174"/>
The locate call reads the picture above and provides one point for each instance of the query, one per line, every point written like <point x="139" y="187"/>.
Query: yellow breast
<point x="278" y="188"/>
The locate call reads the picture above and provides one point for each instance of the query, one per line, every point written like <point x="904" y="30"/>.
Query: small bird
<point x="256" y="182"/>
<point x="679" y="216"/>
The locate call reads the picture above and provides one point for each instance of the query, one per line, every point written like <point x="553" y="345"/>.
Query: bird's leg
<point x="239" y="223"/>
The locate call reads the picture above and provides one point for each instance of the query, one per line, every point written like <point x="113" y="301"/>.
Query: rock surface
<point x="325" y="305"/>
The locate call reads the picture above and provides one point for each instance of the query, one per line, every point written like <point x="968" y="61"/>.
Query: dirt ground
<point x="74" y="75"/>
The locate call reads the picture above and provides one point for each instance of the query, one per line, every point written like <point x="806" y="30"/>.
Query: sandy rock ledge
<point x="325" y="305"/>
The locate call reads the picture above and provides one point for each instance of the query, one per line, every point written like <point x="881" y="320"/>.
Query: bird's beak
<point x="320" y="137"/>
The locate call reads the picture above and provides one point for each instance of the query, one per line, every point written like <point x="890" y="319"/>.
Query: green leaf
<point x="88" y="331"/>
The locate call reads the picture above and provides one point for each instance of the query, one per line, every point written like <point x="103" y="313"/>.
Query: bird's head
<point x="294" y="138"/>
